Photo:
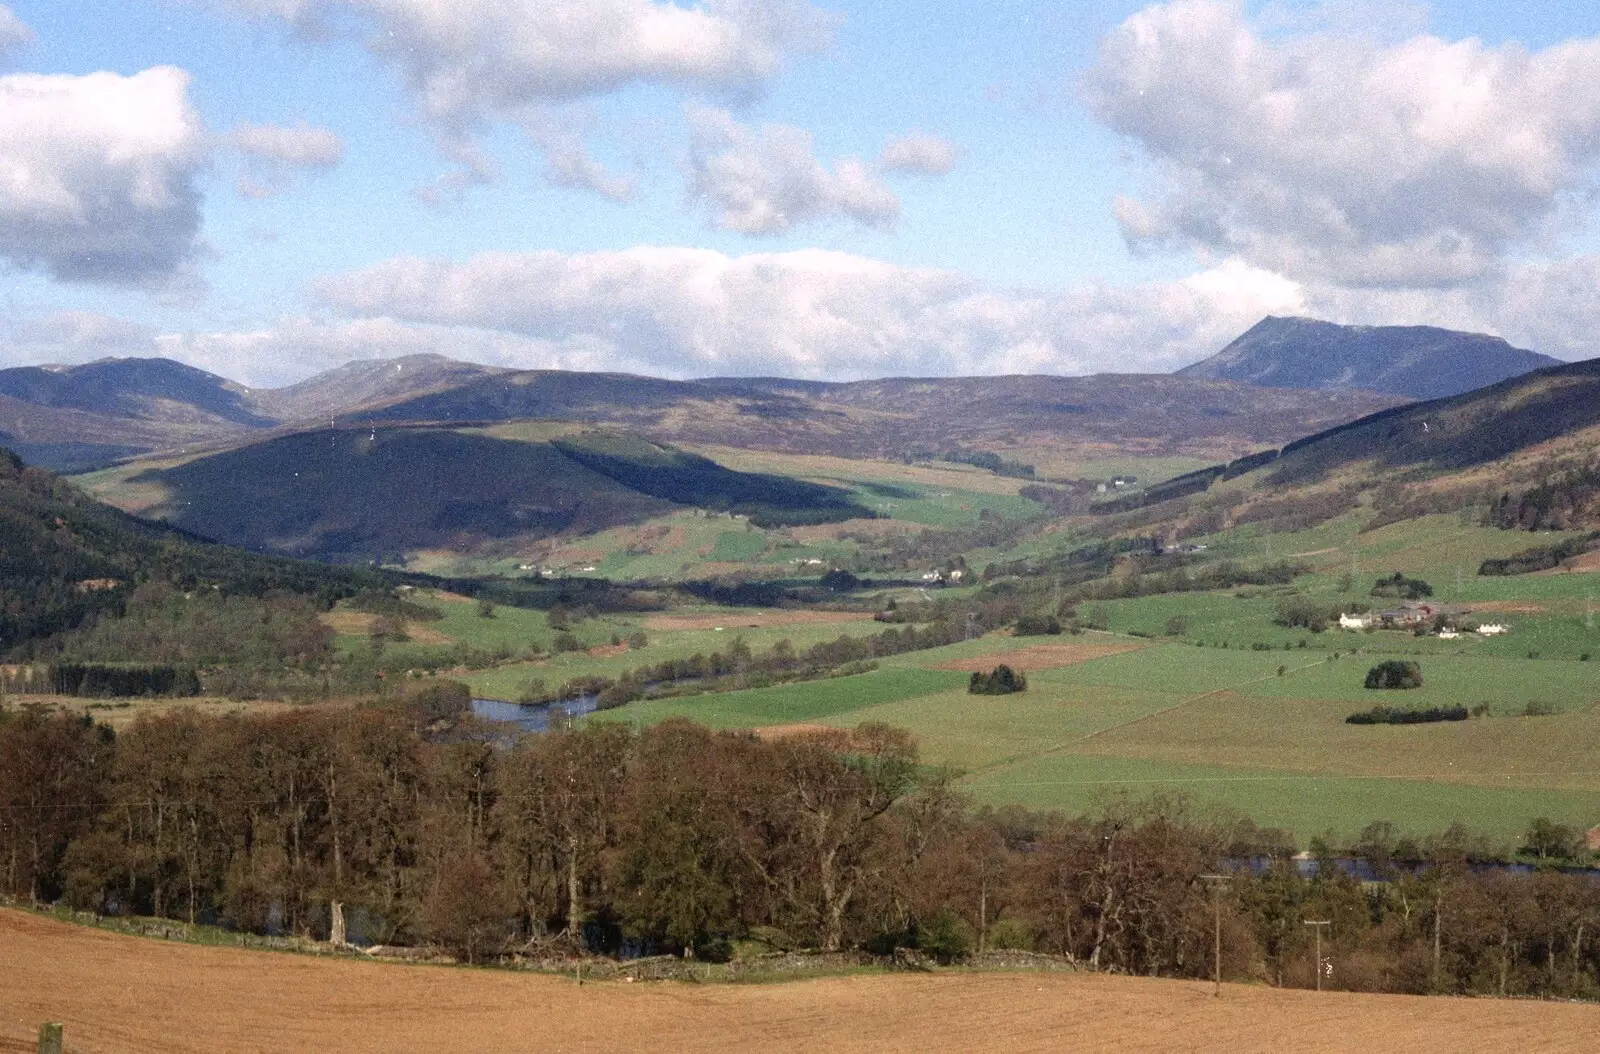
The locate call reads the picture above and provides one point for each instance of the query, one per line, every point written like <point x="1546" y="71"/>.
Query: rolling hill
<point x="1146" y="414"/>
<point x="1422" y="362"/>
<point x="73" y="418"/>
<point x="1522" y="452"/>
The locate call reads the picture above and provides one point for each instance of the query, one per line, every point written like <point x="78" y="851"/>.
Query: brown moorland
<point x="128" y="995"/>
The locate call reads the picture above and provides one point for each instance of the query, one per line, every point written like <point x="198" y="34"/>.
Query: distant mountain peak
<point x="1422" y="362"/>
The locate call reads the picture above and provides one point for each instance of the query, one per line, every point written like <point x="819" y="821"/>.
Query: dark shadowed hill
<point x="1422" y="362"/>
<point x="362" y="494"/>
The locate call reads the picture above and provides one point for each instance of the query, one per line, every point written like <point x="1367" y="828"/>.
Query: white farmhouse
<point x="1492" y="629"/>
<point x="1355" y="621"/>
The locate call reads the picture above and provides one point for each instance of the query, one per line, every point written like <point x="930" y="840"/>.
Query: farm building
<point x="1407" y="614"/>
<point x="1493" y="629"/>
<point x="1355" y="621"/>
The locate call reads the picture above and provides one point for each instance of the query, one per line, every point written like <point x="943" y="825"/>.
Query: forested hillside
<point x="65" y="557"/>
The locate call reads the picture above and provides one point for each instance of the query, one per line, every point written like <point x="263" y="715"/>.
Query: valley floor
<point x="130" y="994"/>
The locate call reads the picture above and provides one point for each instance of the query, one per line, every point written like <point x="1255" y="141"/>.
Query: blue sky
<point x="267" y="188"/>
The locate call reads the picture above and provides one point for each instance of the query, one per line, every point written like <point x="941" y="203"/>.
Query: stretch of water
<point x="533" y="717"/>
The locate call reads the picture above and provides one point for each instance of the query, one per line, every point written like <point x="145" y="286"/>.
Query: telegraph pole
<point x="1214" y="882"/>
<point x="1319" y="924"/>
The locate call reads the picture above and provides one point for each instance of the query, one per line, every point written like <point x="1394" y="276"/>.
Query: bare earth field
<point x="1040" y="657"/>
<point x="751" y="620"/>
<point x="127" y="994"/>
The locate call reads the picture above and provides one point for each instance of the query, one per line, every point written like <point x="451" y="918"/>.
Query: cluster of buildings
<point x="1411" y="615"/>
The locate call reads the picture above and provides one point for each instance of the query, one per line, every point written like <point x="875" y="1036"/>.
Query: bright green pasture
<point x="1448" y="680"/>
<point x="1307" y="735"/>
<point x="934" y="506"/>
<point x="808" y="701"/>
<point x="1307" y="804"/>
<point x="1180" y="669"/>
<point x="973" y="732"/>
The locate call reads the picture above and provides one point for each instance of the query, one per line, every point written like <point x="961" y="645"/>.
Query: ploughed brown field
<point x="1040" y="656"/>
<point x="128" y="994"/>
<point x="756" y="620"/>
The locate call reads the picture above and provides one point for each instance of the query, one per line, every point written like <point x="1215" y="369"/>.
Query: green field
<point x="1224" y="730"/>
<point x="1219" y="705"/>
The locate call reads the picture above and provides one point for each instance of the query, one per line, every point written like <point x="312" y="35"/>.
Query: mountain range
<point x="1283" y="378"/>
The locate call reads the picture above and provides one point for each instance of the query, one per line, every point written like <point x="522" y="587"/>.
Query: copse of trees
<point x="1002" y="680"/>
<point x="1395" y="674"/>
<point x="1398" y="587"/>
<point x="677" y="838"/>
<point x="1540" y="557"/>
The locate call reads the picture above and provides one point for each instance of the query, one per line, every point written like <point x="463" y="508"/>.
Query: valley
<point x="788" y="586"/>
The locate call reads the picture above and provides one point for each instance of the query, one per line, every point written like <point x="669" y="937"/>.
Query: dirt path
<point x="130" y="995"/>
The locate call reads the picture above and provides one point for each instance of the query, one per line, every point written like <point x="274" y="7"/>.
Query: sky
<point x="835" y="190"/>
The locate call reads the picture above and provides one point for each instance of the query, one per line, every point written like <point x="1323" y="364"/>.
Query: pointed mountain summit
<point x="1423" y="362"/>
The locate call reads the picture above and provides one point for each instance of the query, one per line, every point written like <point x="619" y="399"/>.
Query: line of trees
<point x="680" y="839"/>
<point x="739" y="667"/>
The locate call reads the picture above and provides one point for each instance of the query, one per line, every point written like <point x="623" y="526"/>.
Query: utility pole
<point x="1319" y="924"/>
<point x="1215" y="883"/>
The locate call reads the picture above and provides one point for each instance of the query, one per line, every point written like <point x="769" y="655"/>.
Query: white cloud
<point x="568" y="161"/>
<point x="919" y="153"/>
<point x="273" y="153"/>
<point x="14" y="32"/>
<point x="765" y="181"/>
<point x="688" y="312"/>
<point x="97" y="175"/>
<point x="468" y="63"/>
<point x="1334" y="157"/>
